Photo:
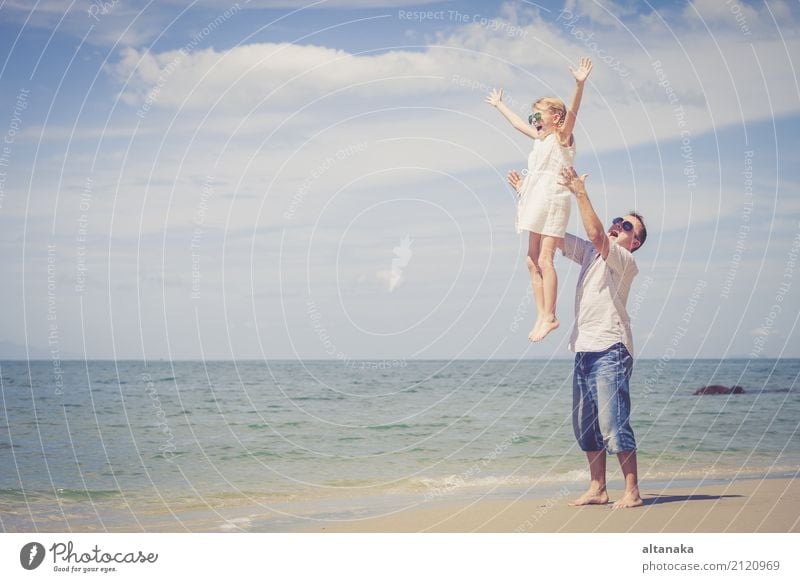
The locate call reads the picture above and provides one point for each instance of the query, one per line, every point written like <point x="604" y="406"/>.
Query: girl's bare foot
<point x="535" y="330"/>
<point x="542" y="330"/>
<point x="591" y="497"/>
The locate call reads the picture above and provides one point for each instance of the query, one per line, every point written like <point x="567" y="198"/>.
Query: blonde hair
<point x="553" y="105"/>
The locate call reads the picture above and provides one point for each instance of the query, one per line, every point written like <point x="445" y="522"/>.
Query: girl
<point x="544" y="204"/>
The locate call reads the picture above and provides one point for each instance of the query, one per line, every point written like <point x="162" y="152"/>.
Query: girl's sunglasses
<point x="535" y="117"/>
<point x="627" y="225"/>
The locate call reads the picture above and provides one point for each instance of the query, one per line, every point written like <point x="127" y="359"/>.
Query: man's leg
<point x="631" y="498"/>
<point x="596" y="495"/>
<point x="587" y="431"/>
<point x="612" y="377"/>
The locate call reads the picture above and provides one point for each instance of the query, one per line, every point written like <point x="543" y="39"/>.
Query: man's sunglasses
<point x="537" y="117"/>
<point x="627" y="225"/>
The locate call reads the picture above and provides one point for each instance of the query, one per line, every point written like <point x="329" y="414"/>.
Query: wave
<point x="439" y="486"/>
<point x="389" y="426"/>
<point x="59" y="494"/>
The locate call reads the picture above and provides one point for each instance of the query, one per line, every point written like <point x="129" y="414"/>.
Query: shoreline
<point x="745" y="504"/>
<point x="740" y="506"/>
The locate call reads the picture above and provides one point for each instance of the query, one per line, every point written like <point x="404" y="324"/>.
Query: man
<point x="602" y="342"/>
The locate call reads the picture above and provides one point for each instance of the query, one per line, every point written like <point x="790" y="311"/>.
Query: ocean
<point x="265" y="446"/>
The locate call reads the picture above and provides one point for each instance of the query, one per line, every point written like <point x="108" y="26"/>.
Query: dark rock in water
<point x="717" y="389"/>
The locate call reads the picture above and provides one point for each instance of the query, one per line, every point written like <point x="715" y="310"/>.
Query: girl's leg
<point x="549" y="286"/>
<point x="534" y="249"/>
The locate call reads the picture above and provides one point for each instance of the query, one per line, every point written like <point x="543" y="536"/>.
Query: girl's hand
<point x="495" y="97"/>
<point x="515" y="180"/>
<point x="582" y="71"/>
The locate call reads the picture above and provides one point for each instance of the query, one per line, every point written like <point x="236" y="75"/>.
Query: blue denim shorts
<point x="601" y="401"/>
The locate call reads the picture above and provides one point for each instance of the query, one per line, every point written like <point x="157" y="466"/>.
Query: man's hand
<point x="582" y="71"/>
<point x="495" y="97"/>
<point x="574" y="183"/>
<point x="594" y="228"/>
<point x="515" y="179"/>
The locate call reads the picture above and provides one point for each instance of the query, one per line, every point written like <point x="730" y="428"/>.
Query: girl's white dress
<point x="544" y="204"/>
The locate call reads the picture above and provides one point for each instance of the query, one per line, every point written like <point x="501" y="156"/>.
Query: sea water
<point x="132" y="446"/>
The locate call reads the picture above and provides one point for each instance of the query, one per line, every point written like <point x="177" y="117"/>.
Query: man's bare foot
<point x="535" y="329"/>
<point x="591" y="497"/>
<point x="546" y="327"/>
<point x="630" y="499"/>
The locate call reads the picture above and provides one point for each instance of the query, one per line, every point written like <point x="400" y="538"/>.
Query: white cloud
<point x="607" y="13"/>
<point x="276" y="74"/>
<point x="45" y="6"/>
<point x="716" y="87"/>
<point x="731" y="14"/>
<point x="111" y="22"/>
<point x="389" y="279"/>
<point x="328" y="4"/>
<point x="762" y="332"/>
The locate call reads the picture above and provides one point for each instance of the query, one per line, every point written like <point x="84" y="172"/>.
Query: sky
<point x="280" y="180"/>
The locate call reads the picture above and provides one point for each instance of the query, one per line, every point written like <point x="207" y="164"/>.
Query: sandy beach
<point x="743" y="506"/>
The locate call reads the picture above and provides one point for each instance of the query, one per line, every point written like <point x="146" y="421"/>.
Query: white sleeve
<point x="575" y="248"/>
<point x="621" y="261"/>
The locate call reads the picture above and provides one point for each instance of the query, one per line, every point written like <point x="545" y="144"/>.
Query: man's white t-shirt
<point x="601" y="319"/>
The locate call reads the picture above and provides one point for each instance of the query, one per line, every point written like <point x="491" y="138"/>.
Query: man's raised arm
<point x="594" y="228"/>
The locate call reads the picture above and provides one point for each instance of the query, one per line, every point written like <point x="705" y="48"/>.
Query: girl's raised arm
<point x="580" y="74"/>
<point x="495" y="99"/>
